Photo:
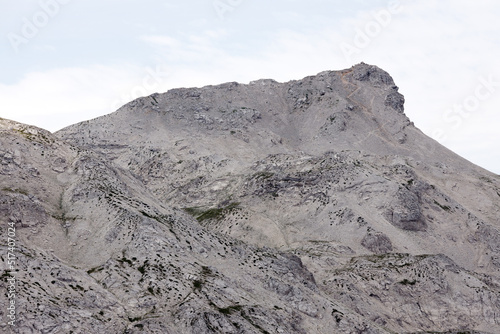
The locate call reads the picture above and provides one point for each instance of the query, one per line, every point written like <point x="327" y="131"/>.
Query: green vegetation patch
<point x="444" y="207"/>
<point x="263" y="175"/>
<point x="210" y="214"/>
<point x="39" y="137"/>
<point x="230" y="309"/>
<point x="93" y="270"/>
<point x="162" y="219"/>
<point x="15" y="191"/>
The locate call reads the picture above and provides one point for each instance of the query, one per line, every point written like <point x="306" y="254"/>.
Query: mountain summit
<point x="312" y="206"/>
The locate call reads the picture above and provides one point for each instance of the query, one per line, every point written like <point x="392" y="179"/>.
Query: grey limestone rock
<point x="311" y="206"/>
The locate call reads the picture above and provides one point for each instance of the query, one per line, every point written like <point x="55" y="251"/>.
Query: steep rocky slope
<point x="313" y="206"/>
<point x="97" y="253"/>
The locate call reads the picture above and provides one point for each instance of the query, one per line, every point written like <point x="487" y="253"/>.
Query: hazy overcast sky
<point x="64" y="61"/>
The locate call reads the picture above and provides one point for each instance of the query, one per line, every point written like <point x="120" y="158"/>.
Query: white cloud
<point x="164" y="41"/>
<point x="56" y="98"/>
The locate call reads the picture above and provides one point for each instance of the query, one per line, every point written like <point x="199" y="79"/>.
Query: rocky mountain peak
<point x="359" y="108"/>
<point x="372" y="74"/>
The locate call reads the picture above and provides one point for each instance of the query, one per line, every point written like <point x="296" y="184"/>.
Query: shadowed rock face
<point x="406" y="213"/>
<point x="312" y="206"/>
<point x="377" y="243"/>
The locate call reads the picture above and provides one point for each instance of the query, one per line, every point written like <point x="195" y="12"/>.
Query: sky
<point x="65" y="61"/>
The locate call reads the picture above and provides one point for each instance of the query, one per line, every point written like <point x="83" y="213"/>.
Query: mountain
<point x="312" y="206"/>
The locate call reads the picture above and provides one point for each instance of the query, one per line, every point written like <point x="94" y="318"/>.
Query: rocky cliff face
<point x="313" y="206"/>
